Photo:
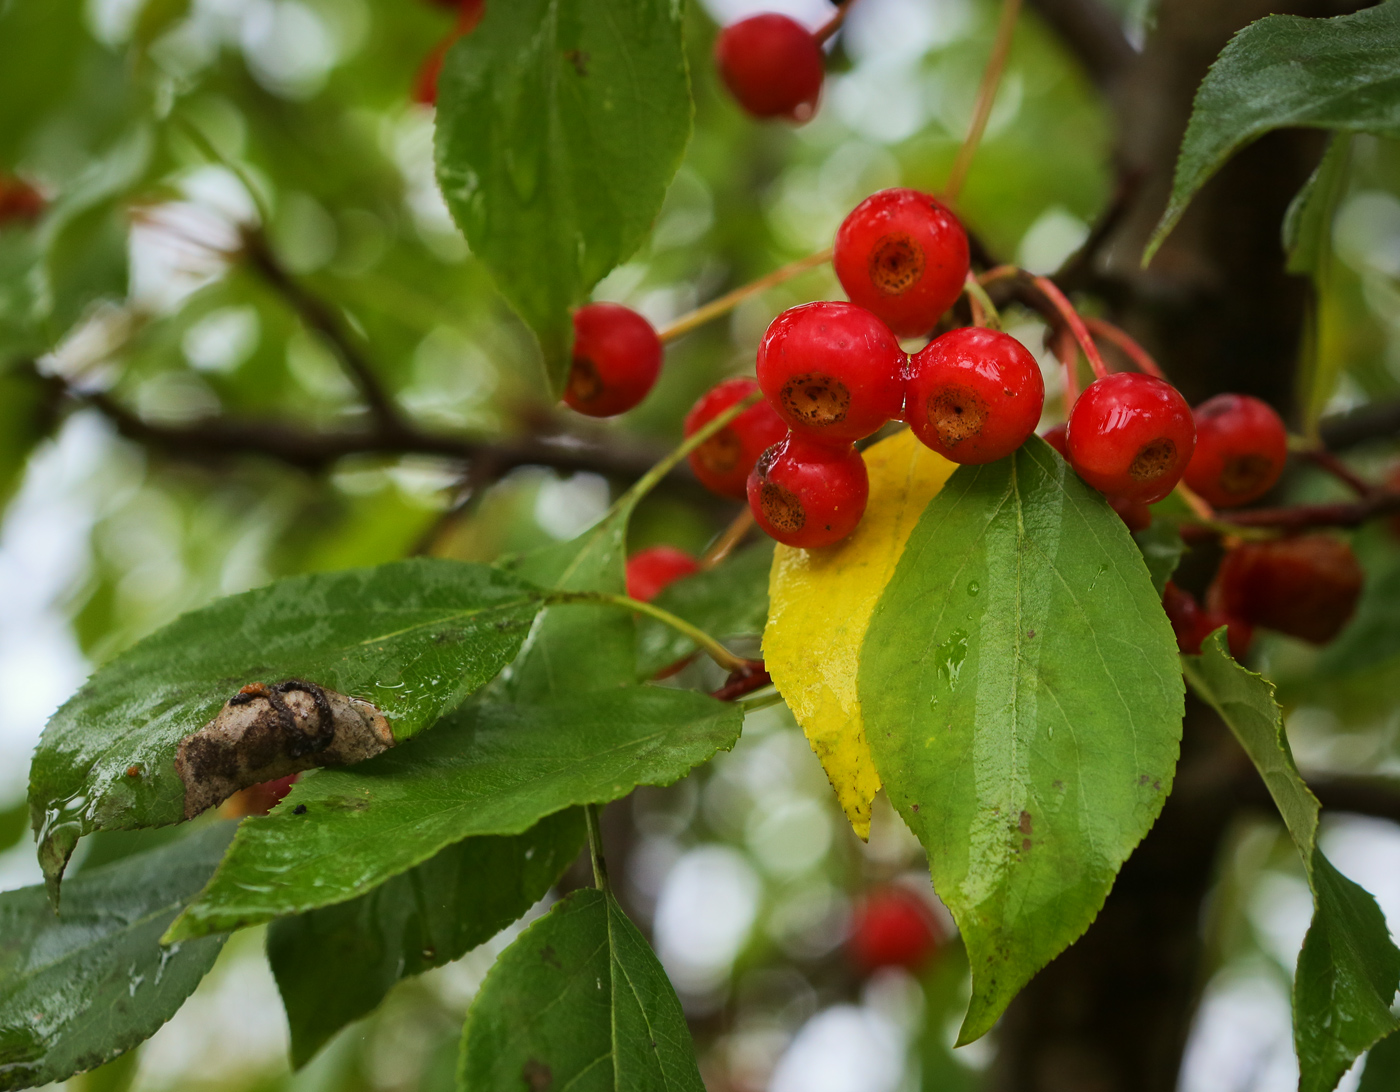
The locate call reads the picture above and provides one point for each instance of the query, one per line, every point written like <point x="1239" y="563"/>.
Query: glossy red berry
<point x="833" y="371"/>
<point x="1241" y="446"/>
<point x="1135" y="514"/>
<point x="258" y="799"/>
<point x="1055" y="437"/>
<point x="652" y="569"/>
<point x="19" y="201"/>
<point x="973" y="395"/>
<point x="722" y="463"/>
<point x="1131" y="435"/>
<point x="893" y="927"/>
<point x="903" y="255"/>
<point x="1306" y="587"/>
<point x="808" y="494"/>
<point x="772" y="65"/>
<point x="617" y="357"/>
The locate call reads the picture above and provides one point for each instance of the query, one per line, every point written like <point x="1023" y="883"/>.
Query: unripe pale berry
<point x="904" y="256"/>
<point x="973" y="395"/>
<point x="617" y="357"/>
<point x="1306" y="587"/>
<point x="1131" y="435"/>
<point x="833" y="371"/>
<point x="651" y="570"/>
<point x="808" y="494"/>
<point x="722" y="463"/>
<point x="892" y="927"/>
<point x="772" y="65"/>
<point x="1241" y="446"/>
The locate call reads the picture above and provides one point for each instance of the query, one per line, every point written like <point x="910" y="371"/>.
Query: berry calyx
<point x="1131" y="435"/>
<point x="1241" y="446"/>
<point x="651" y="570"/>
<point x="808" y="494"/>
<point x="973" y="395"/>
<point x="901" y="254"/>
<point x="19" y="201"/>
<point x="833" y="371"/>
<point x="617" y="357"/>
<point x="1306" y="587"/>
<point x="892" y="927"/>
<point x="722" y="463"/>
<point x="772" y="65"/>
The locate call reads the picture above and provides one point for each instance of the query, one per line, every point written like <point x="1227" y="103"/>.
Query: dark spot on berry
<point x="537" y="1076"/>
<point x="1245" y="473"/>
<point x="957" y="414"/>
<point x="1153" y="460"/>
<point x="300" y="809"/>
<point x="584" y="382"/>
<point x="721" y="453"/>
<point x="816" y="399"/>
<point x="781" y="508"/>
<point x="1025" y="823"/>
<point x="896" y="264"/>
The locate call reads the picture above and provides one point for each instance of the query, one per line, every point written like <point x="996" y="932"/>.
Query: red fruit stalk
<point x="1241" y="446"/>
<point x="772" y="65"/>
<point x="723" y="462"/>
<point x="1306" y="587"/>
<point x="892" y="927"/>
<point x="808" y="494"/>
<point x="974" y="395"/>
<point x="617" y="357"/>
<point x="1131" y="436"/>
<point x="652" y="570"/>
<point x="902" y="255"/>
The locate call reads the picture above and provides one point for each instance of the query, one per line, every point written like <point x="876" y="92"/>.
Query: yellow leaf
<point x="820" y="603"/>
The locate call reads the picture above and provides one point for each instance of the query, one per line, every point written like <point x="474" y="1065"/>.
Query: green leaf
<point x="1285" y="71"/>
<point x="1023" y="703"/>
<point x="1382" y="1072"/>
<point x="1307" y="226"/>
<point x="1348" y="969"/>
<point x="1373" y="636"/>
<point x="579" y="1002"/>
<point x="730" y="600"/>
<point x="336" y="964"/>
<point x="80" y="987"/>
<point x="14" y="824"/>
<point x="486" y="769"/>
<point x="1161" y="548"/>
<point x="413" y="637"/>
<point x="560" y="123"/>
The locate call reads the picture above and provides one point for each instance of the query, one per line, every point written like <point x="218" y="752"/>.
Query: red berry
<point x="1241" y="446"/>
<point x="833" y="371"/>
<point x="1306" y="587"/>
<point x="650" y="570"/>
<point x="974" y="395"/>
<point x="808" y="494"/>
<point x="893" y="927"/>
<point x="1135" y="514"/>
<point x="19" y="201"/>
<point x="901" y="254"/>
<point x="1193" y="625"/>
<point x="617" y="357"/>
<point x="773" y="65"/>
<point x="1131" y="435"/>
<point x="1239" y="636"/>
<point x="1055" y="437"/>
<point x="722" y="463"/>
<point x="258" y="799"/>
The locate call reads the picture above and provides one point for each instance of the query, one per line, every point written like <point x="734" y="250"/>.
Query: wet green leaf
<point x="486" y="769"/>
<point x="1348" y="969"/>
<point x="1285" y="71"/>
<point x="1023" y="703"/>
<point x="730" y="600"/>
<point x="1161" y="548"/>
<point x="1382" y="1072"/>
<point x="80" y="987"/>
<point x="1307" y="226"/>
<point x="413" y="637"/>
<point x="579" y="1002"/>
<point x="334" y="965"/>
<point x="560" y="124"/>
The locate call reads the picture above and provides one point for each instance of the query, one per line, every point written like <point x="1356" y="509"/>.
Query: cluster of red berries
<point x="469" y="14"/>
<point x="19" y="201"/>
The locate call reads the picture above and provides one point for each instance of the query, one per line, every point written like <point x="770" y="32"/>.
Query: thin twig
<point x="1115" y="335"/>
<point x="730" y="300"/>
<point x="1066" y="351"/>
<point x="984" y="311"/>
<point x="1071" y="317"/>
<point x="824" y="33"/>
<point x="1325" y="461"/>
<point x="712" y="648"/>
<point x="986" y="98"/>
<point x="732" y="535"/>
<point x="1304" y="516"/>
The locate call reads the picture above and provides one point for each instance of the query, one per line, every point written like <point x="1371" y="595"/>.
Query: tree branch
<point x="1377" y="797"/>
<point x="1373" y="421"/>
<point x="1304" y="516"/>
<point x="1093" y="33"/>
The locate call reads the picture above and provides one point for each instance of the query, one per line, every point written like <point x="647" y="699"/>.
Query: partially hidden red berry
<point x="808" y="494"/>
<point x="617" y="357"/>
<point x="19" y="201"/>
<point x="1192" y="625"/>
<point x="772" y="65"/>
<point x="1306" y="587"/>
<point x="258" y="799"/>
<point x="1055" y="437"/>
<point x="651" y="570"/>
<point x="973" y="395"/>
<point x="1131" y="435"/>
<point x="1135" y="514"/>
<point x="893" y="927"/>
<point x="722" y="463"/>
<point x="833" y="371"/>
<point x="1241" y="446"/>
<point x="904" y="256"/>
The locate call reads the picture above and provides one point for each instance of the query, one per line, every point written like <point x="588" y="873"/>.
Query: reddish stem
<point x="1119" y="337"/>
<point x="824" y="33"/>
<point x="1303" y="516"/>
<point x="1325" y="460"/>
<point x="1076" y="324"/>
<point x="740" y="683"/>
<point x="1066" y="350"/>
